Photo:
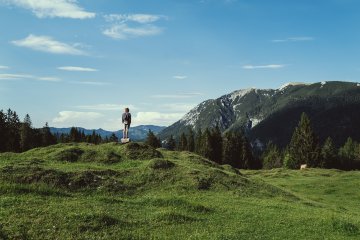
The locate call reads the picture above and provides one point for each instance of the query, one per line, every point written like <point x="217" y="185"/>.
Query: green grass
<point x="113" y="191"/>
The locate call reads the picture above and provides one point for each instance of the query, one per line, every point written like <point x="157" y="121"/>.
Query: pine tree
<point x="152" y="140"/>
<point x="304" y="146"/>
<point x="113" y="138"/>
<point x="199" y="142"/>
<point x="191" y="141"/>
<point x="3" y="131"/>
<point x="48" y="138"/>
<point x="207" y="145"/>
<point x="328" y="154"/>
<point x="13" y="137"/>
<point x="347" y="154"/>
<point x="247" y="155"/>
<point x="26" y="134"/>
<point x="272" y="157"/>
<point x="217" y="145"/>
<point x="183" y="145"/>
<point x="171" y="144"/>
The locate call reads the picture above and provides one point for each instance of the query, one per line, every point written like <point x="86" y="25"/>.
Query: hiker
<point x="126" y="120"/>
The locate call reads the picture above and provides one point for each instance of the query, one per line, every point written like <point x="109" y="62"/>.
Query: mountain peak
<point x="291" y="84"/>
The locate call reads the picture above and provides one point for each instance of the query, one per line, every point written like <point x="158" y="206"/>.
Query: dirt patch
<point x="136" y="151"/>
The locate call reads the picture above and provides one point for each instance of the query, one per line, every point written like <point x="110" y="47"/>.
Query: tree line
<point x="305" y="148"/>
<point x="17" y="136"/>
<point x="231" y="148"/>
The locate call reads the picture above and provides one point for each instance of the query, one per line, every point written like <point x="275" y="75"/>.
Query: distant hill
<point x="136" y="133"/>
<point x="272" y="114"/>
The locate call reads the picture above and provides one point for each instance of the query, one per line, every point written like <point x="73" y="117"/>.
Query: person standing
<point x="126" y="120"/>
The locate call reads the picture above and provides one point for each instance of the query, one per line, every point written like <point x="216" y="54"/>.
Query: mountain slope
<point x="272" y="114"/>
<point x="135" y="133"/>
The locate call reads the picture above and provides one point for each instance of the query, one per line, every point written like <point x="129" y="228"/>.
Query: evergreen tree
<point x="207" y="145"/>
<point x="304" y="146"/>
<point x="171" y="144"/>
<point x="199" y="142"/>
<point x="113" y="138"/>
<point x="328" y="154"/>
<point x="26" y="134"/>
<point x="13" y="137"/>
<point x="191" y="141"/>
<point x="272" y="157"/>
<point x="231" y="153"/>
<point x="217" y="145"/>
<point x="183" y="145"/>
<point x="48" y="138"/>
<point x="3" y="131"/>
<point x="247" y="156"/>
<point x="347" y="154"/>
<point x="152" y="140"/>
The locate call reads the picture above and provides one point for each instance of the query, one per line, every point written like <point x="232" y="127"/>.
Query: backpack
<point x="127" y="118"/>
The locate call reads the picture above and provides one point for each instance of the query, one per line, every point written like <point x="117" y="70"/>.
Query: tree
<point x="152" y="140"/>
<point x="217" y="145"/>
<point x="113" y="138"/>
<point x="304" y="147"/>
<point x="26" y="134"/>
<point x="272" y="157"/>
<point x="198" y="142"/>
<point x="328" y="154"/>
<point x="171" y="144"/>
<point x="13" y="137"/>
<point x="191" y="141"/>
<point x="231" y="153"/>
<point x="207" y="145"/>
<point x="347" y="154"/>
<point x="48" y="138"/>
<point x="3" y="131"/>
<point x="247" y="156"/>
<point x="183" y="145"/>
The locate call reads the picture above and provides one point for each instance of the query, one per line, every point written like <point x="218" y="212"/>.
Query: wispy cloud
<point x="47" y="44"/>
<point x="180" y="77"/>
<point x="294" y="39"/>
<point x="52" y="9"/>
<point x="179" y="95"/>
<point x="156" y="118"/>
<point x="125" y="26"/>
<point x="94" y="83"/>
<point x="73" y="118"/>
<point x="4" y="67"/>
<point x="139" y="18"/>
<point x="77" y="69"/>
<point x="106" y="107"/>
<point x="9" y="76"/>
<point x="270" y="66"/>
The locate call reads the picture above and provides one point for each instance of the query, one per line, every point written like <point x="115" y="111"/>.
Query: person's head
<point x="127" y="110"/>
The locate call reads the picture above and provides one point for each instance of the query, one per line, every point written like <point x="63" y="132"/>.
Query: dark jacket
<point x="126" y="118"/>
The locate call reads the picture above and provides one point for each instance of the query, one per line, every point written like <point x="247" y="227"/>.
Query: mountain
<point x="136" y="133"/>
<point x="272" y="114"/>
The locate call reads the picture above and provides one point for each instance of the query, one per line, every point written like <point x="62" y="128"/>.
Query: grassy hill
<point x="113" y="191"/>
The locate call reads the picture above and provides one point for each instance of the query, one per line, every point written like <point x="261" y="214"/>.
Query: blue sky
<point x="79" y="63"/>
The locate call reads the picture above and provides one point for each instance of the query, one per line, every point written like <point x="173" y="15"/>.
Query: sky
<point x="79" y="63"/>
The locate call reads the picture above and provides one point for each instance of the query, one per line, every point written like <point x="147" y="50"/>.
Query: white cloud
<point x="156" y="118"/>
<point x="180" y="77"/>
<point x="125" y="26"/>
<point x="90" y="83"/>
<point x="81" y="119"/>
<point x="52" y="8"/>
<point x="139" y="18"/>
<point x="177" y="107"/>
<point x="9" y="76"/>
<point x="106" y="107"/>
<point x="123" y="31"/>
<point x="270" y="66"/>
<point x="293" y="39"/>
<point x="77" y="69"/>
<point x="179" y="95"/>
<point x="4" y="67"/>
<point x="47" y="44"/>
